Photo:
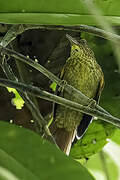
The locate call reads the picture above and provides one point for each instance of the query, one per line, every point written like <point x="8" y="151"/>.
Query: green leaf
<point x="53" y="86"/>
<point x="95" y="164"/>
<point x="6" y="174"/>
<point x="116" y="137"/>
<point x="57" y="12"/>
<point x="93" y="141"/>
<point x="17" y="101"/>
<point x="27" y="156"/>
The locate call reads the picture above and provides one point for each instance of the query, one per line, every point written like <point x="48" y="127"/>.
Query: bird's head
<point x="79" y="48"/>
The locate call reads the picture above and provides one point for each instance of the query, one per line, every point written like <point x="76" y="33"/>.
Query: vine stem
<point x="15" y="30"/>
<point x="96" y="110"/>
<point x="20" y="28"/>
<point x="84" y="100"/>
<point x="30" y="101"/>
<point x="62" y="101"/>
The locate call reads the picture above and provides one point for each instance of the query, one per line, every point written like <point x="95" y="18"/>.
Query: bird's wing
<point x="87" y="119"/>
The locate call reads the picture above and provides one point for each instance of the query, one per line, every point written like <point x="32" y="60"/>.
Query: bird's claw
<point x="92" y="103"/>
<point x="62" y="85"/>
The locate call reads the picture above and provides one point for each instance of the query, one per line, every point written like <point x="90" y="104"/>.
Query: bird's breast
<point x="84" y="76"/>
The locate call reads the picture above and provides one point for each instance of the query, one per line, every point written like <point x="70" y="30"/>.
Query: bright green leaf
<point x="5" y="174"/>
<point x="95" y="164"/>
<point x="116" y="137"/>
<point x="53" y="86"/>
<point x="17" y="101"/>
<point x="93" y="141"/>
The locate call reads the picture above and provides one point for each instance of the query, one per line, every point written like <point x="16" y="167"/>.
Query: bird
<point x="81" y="71"/>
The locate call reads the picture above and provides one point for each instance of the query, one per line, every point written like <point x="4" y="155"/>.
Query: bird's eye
<point x="76" y="50"/>
<point x="83" y="41"/>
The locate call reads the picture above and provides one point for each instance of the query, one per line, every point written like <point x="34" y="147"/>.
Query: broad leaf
<point x="96" y="165"/>
<point x="93" y="141"/>
<point x="58" y="12"/>
<point x="26" y="155"/>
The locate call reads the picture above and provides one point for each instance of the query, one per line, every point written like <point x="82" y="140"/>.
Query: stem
<point x="84" y="100"/>
<point x="41" y="125"/>
<point x="18" y="29"/>
<point x="25" y="78"/>
<point x="62" y="101"/>
<point x="10" y="75"/>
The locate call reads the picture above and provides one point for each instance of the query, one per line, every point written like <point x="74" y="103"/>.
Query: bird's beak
<point x="72" y="40"/>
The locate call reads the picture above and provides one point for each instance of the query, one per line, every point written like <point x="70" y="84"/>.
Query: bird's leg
<point x="62" y="85"/>
<point x="92" y="103"/>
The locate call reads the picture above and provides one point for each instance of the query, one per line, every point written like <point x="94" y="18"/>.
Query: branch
<point x="18" y="29"/>
<point x="84" y="100"/>
<point x="23" y="75"/>
<point x="62" y="101"/>
<point x="40" y="123"/>
<point x="35" y="112"/>
<point x="32" y="107"/>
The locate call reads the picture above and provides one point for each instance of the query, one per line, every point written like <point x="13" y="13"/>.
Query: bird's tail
<point x="62" y="137"/>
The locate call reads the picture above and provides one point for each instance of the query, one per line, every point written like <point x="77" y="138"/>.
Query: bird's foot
<point x="92" y="103"/>
<point x="62" y="85"/>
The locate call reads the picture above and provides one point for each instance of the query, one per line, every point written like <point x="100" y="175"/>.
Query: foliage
<point x="26" y="155"/>
<point x="94" y="140"/>
<point x="17" y="100"/>
<point x="58" y="12"/>
<point x="23" y="153"/>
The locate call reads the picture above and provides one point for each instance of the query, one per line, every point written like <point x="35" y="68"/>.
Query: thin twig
<point x="62" y="101"/>
<point x="10" y="75"/>
<point x="29" y="99"/>
<point x="84" y="100"/>
<point x="18" y="29"/>
<point x="25" y="78"/>
<point x="41" y="124"/>
<point x="43" y="129"/>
